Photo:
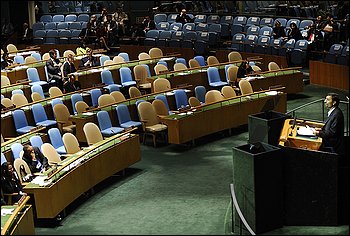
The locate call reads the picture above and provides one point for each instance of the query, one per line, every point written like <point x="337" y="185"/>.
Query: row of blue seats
<point x="68" y="18"/>
<point x="56" y="37"/>
<point x="62" y="25"/>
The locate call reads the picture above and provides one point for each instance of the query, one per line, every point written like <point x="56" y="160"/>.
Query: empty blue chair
<point x="36" y="55"/>
<point x="124" y="55"/>
<point x="2" y="96"/>
<point x="124" y="117"/>
<point x="200" y="60"/>
<point x="52" y="37"/>
<point x="343" y="59"/>
<point x="164" y="99"/>
<point x="32" y="74"/>
<point x="148" y="70"/>
<point x="106" y="77"/>
<point x="171" y="18"/>
<point x="237" y="29"/>
<point x="38" y="26"/>
<point x="175" y="26"/>
<point x="3" y="158"/>
<point x="253" y="30"/>
<point x="70" y="18"/>
<point x="163" y="63"/>
<point x="75" y="36"/>
<point x="238" y="42"/>
<point x="65" y="36"/>
<point x="162" y="26"/>
<point x="266" y="31"/>
<point x="62" y="25"/>
<point x="253" y="20"/>
<point x="200" y="18"/>
<point x="266" y="22"/>
<point x="139" y="101"/>
<point x="240" y="20"/>
<point x="39" y="36"/>
<point x="36" y="141"/>
<point x="75" y="98"/>
<point x="51" y="26"/>
<point x="200" y="92"/>
<point x="54" y="102"/>
<point x="37" y="88"/>
<point x="262" y="45"/>
<point x="334" y="52"/>
<point x="95" y="94"/>
<point x="226" y="20"/>
<point x="17" y="91"/>
<point x="298" y="54"/>
<point x="19" y="59"/>
<point x="46" y="18"/>
<point x="226" y="69"/>
<point x="104" y="58"/>
<point x="83" y="18"/>
<point x="58" y="18"/>
<point x="275" y="46"/>
<point x="214" y="78"/>
<point x="160" y="18"/>
<point x="202" y="27"/>
<point x="40" y="116"/>
<point x="288" y="46"/>
<point x="75" y="25"/>
<point x="83" y="25"/>
<point x="126" y="77"/>
<point x="249" y="43"/>
<point x="151" y="38"/>
<point x="188" y="39"/>
<point x="175" y="39"/>
<point x="213" y="19"/>
<point x="105" y="124"/>
<point x="188" y="27"/>
<point x="21" y="123"/>
<point x="181" y="98"/>
<point x="56" y="140"/>
<point x="16" y="149"/>
<point x="164" y="37"/>
<point x="181" y="60"/>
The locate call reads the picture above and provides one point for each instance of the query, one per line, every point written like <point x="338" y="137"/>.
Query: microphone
<point x="294" y="122"/>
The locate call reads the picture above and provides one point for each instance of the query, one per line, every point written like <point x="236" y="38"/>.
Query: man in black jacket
<point x="53" y="66"/>
<point x="332" y="133"/>
<point x="35" y="159"/>
<point x="89" y="60"/>
<point x="183" y="17"/>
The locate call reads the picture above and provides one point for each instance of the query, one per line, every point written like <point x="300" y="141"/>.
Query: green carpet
<point x="174" y="189"/>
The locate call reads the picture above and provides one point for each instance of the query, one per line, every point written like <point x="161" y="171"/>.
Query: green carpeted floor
<point x="174" y="190"/>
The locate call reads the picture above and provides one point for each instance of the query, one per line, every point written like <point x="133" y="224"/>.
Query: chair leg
<point x="154" y="140"/>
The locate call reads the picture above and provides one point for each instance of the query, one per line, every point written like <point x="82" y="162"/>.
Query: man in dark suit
<point x="89" y="60"/>
<point x="332" y="133"/>
<point x="35" y="159"/>
<point x="183" y="17"/>
<point x="26" y="34"/>
<point x="53" y="66"/>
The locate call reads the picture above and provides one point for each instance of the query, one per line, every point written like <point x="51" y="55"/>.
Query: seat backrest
<point x="21" y="164"/>
<point x="3" y="158"/>
<point x="19" y="100"/>
<point x="55" y="91"/>
<point x="212" y="60"/>
<point x="336" y="49"/>
<point x="108" y="62"/>
<point x="301" y="44"/>
<point x="273" y="66"/>
<point x="253" y="20"/>
<point x="36" y="97"/>
<point x="213" y="96"/>
<point x="37" y="88"/>
<point x="92" y="133"/>
<point x="80" y="106"/>
<point x="95" y="94"/>
<point x="245" y="87"/>
<point x="30" y="59"/>
<point x="180" y="66"/>
<point x="104" y="121"/>
<point x="228" y="92"/>
<point x="39" y="113"/>
<point x="67" y="52"/>
<point x="17" y="91"/>
<point x="124" y="55"/>
<point x="58" y="18"/>
<point x="46" y="56"/>
<point x="5" y="81"/>
<point x="175" y="26"/>
<point x="160" y="107"/>
<point x="50" y="153"/>
<point x="134" y="92"/>
<point x="181" y="98"/>
<point x="140" y="74"/>
<point x="62" y="114"/>
<point x="162" y="26"/>
<point x="256" y="68"/>
<point x="19" y="119"/>
<point x="103" y="58"/>
<point x="70" y="18"/>
<point x="118" y="59"/>
<point x="232" y="73"/>
<point x="19" y="59"/>
<point x="193" y="63"/>
<point x="143" y="56"/>
<point x="199" y="92"/>
<point x="267" y="21"/>
<point x="147" y="114"/>
<point x="36" y="141"/>
<point x="213" y="19"/>
<point x="160" y="17"/>
<point x="240" y="20"/>
<point x="253" y="30"/>
<point x="188" y="27"/>
<point x="32" y="74"/>
<point x="106" y="77"/>
<point x="16" y="148"/>
<point x="55" y="137"/>
<point x="125" y="74"/>
<point x="71" y="143"/>
<point x="161" y="84"/>
<point x="11" y="48"/>
<point x="159" y="68"/>
<point x="194" y="102"/>
<point x="118" y="96"/>
<point x="155" y="52"/>
<point x="46" y="18"/>
<point x="75" y="98"/>
<point x="106" y="99"/>
<point x="200" y="60"/>
<point x="6" y="102"/>
<point x="123" y="113"/>
<point x="213" y="75"/>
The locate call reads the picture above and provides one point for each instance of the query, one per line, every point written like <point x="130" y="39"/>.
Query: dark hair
<point x="52" y="52"/>
<point x="5" y="169"/>
<point x="26" y="151"/>
<point x="335" y="98"/>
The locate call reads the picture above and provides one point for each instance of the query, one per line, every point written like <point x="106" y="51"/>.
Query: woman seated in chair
<point x="35" y="159"/>
<point x="243" y="70"/>
<point x="10" y="182"/>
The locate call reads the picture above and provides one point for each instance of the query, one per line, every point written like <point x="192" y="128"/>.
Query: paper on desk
<point x="6" y="211"/>
<point x="271" y="93"/>
<point x="88" y="113"/>
<point x="183" y="73"/>
<point x="167" y="59"/>
<point x="306" y="131"/>
<point x="169" y="93"/>
<point x="40" y="180"/>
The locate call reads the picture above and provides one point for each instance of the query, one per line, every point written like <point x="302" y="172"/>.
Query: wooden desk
<point x="219" y="116"/>
<point x="329" y="75"/>
<point x="108" y="157"/>
<point x="7" y="90"/>
<point x="289" y="136"/>
<point x="20" y="222"/>
<point x="20" y="72"/>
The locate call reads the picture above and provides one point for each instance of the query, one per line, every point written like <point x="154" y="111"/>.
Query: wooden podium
<point x="290" y="138"/>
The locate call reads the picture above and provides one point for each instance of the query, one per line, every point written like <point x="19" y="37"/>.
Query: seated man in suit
<point x="54" y="69"/>
<point x="35" y="159"/>
<point x="332" y="133"/>
<point x="89" y="60"/>
<point x="26" y="34"/>
<point x="71" y="85"/>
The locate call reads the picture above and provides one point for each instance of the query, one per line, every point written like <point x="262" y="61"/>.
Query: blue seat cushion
<point x="47" y="123"/>
<point x="39" y="83"/>
<point x="61" y="150"/>
<point x="130" y="124"/>
<point x="217" y="84"/>
<point x="25" y="129"/>
<point x="129" y="83"/>
<point x="111" y="131"/>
